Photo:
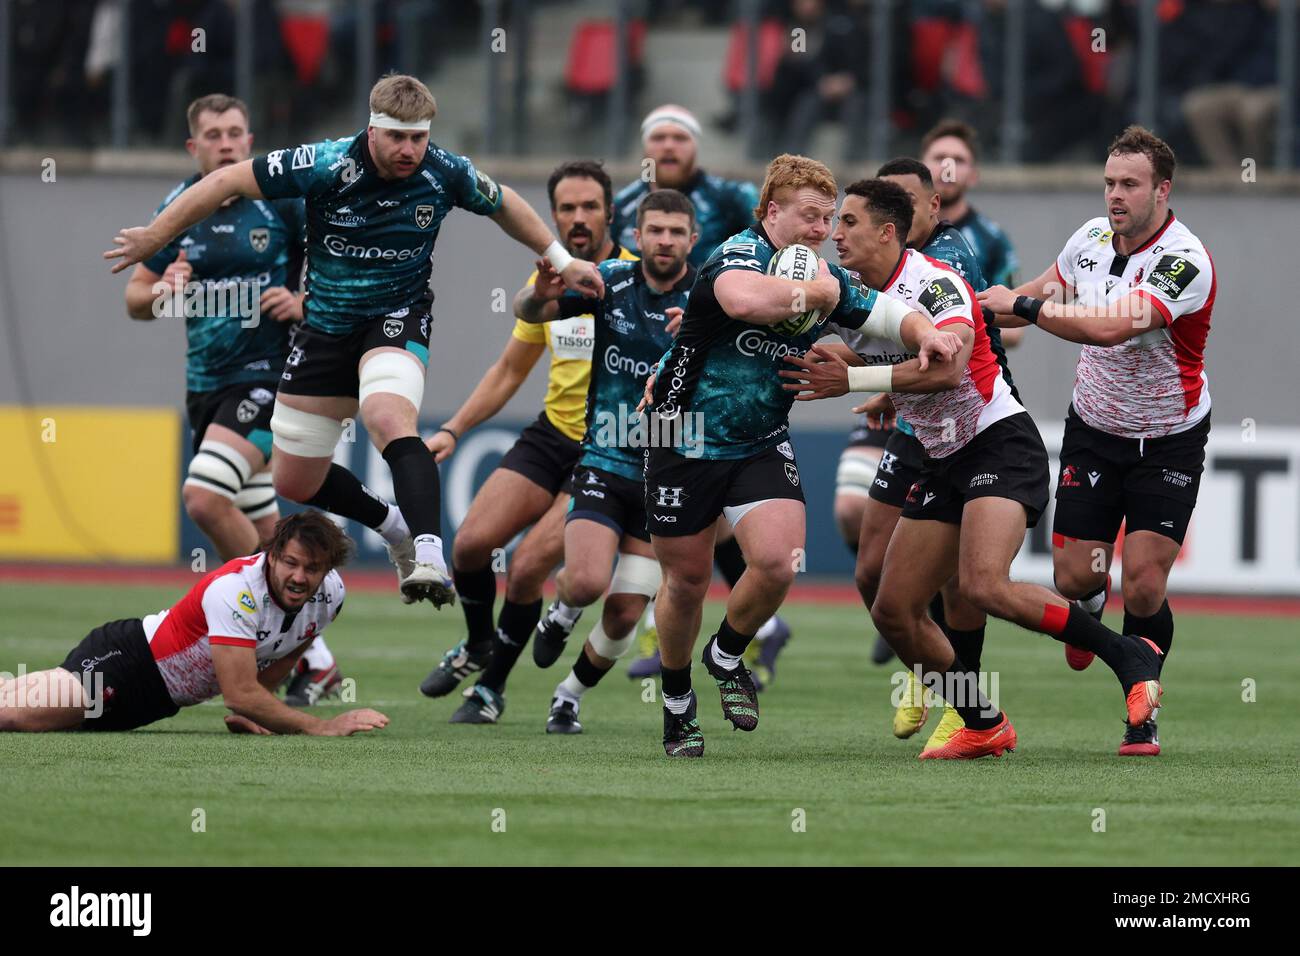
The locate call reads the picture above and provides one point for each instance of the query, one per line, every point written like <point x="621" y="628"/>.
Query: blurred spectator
<point x="822" y="75"/>
<point x="1231" y="109"/>
<point x="48" y="81"/>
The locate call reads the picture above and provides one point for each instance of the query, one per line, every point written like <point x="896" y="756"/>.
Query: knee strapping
<point x="304" y="434"/>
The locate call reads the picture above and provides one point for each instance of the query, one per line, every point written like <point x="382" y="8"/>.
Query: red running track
<point x="377" y="581"/>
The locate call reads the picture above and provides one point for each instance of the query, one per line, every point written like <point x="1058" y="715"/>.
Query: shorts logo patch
<point x="1094" y="477"/>
<point x="246" y="411"/>
<point x="929" y="496"/>
<point x="393" y="327"/>
<point x="295" y="357"/>
<point x="668" y="497"/>
<point x="424" y="215"/>
<point x="259" y="239"/>
<point x="940" y="295"/>
<point x="246" y="601"/>
<point x="981" y="481"/>
<point x="785" y="449"/>
<point x="262" y="396"/>
<point x="424" y="327"/>
<point x="792" y="473"/>
<point x="1176" y="478"/>
<point x="1172" y="275"/>
<point x="1069" y="477"/>
<point x="887" y="461"/>
<point x="911" y="492"/>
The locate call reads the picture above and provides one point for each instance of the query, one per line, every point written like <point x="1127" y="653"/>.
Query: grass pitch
<point x="424" y="792"/>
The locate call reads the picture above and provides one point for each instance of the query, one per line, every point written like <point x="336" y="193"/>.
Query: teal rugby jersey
<point x="370" y="240"/>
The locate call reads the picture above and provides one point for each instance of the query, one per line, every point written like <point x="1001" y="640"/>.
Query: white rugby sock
<point x="725" y="661"/>
<point x="563" y="612"/>
<point x="677" y="705"/>
<point x="571" y="688"/>
<point x="428" y="550"/>
<point x="318" y="657"/>
<point x="766" y="630"/>
<point x="1094" y="603"/>
<point x="393" y="529"/>
<point x="648" y="621"/>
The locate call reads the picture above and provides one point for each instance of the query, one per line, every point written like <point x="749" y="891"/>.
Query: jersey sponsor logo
<point x="740" y="263"/>
<point x="224" y="228"/>
<point x="345" y="217"/>
<point x="620" y="287"/>
<point x="785" y="449"/>
<point x="740" y="248"/>
<point x="1101" y="235"/>
<point x="669" y="497"/>
<point x="259" y="239"/>
<point x="348" y="167"/>
<point x="339" y="246"/>
<point x="400" y="313"/>
<point x="389" y="203"/>
<point x="424" y="215"/>
<point x="247" y="601"/>
<point x="275" y="162"/>
<point x="262" y="395"/>
<point x="246" y="411"/>
<point x="393" y="327"/>
<point x="616" y="362"/>
<point x="486" y="187"/>
<point x="940" y="295"/>
<point x="792" y="473"/>
<point x="304" y="157"/>
<point x="753" y="343"/>
<point x="1172" y="275"/>
<point x="1083" y="262"/>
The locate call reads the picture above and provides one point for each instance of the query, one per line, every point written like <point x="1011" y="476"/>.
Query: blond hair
<point x="404" y="98"/>
<point x="213" y="103"/>
<point x="790" y="172"/>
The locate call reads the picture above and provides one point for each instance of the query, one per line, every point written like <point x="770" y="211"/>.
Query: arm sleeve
<point x="1179" y="283"/>
<point x="856" y="300"/>
<point x="294" y="173"/>
<point x="470" y="188"/>
<point x="230" y="611"/>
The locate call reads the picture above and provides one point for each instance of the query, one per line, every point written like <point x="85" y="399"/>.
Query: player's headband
<point x="674" y="116"/>
<point x="384" y="121"/>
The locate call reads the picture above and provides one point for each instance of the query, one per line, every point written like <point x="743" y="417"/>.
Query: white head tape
<point x="674" y="115"/>
<point x="384" y="121"/>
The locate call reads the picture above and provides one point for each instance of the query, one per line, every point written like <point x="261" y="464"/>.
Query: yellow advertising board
<point x="89" y="484"/>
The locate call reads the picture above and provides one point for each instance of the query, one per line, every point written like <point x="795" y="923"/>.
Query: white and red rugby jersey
<point x="943" y="422"/>
<point x="1153" y="384"/>
<point x="232" y="605"/>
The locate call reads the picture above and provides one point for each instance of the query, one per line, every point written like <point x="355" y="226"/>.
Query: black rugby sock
<point x="1159" y="627"/>
<point x="415" y="485"/>
<point x="343" y="494"/>
<point x="477" y="591"/>
<point x="514" y="628"/>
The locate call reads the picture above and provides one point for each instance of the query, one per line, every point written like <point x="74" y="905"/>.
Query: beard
<point x="591" y="252"/>
<point x="662" y="275"/>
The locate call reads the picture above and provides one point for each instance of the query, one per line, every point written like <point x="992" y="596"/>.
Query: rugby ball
<point x="799" y="262"/>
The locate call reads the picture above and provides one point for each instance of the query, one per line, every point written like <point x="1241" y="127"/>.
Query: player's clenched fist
<point x="354" y="721"/>
<point x="583" y="276"/>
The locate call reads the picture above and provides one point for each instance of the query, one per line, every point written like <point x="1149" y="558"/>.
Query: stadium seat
<point x="307" y="40"/>
<point x="771" y="43"/>
<point x="1092" y="65"/>
<point x="589" y="70"/>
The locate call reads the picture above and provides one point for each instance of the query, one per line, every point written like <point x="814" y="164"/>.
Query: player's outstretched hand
<point x="825" y="377"/>
<point x="281" y="304"/>
<point x="550" y="284"/>
<point x="441" y="445"/>
<point x="648" y="398"/>
<point x="239" y="724"/>
<point x="998" y="299"/>
<point x="354" y="721"/>
<point x="879" y="409"/>
<point x="674" y="314"/>
<point x="583" y="276"/>
<point x="134" y="245"/>
<point x="937" y="346"/>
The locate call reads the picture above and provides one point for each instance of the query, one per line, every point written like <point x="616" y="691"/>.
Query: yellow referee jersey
<point x="570" y="342"/>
